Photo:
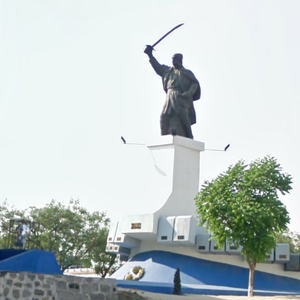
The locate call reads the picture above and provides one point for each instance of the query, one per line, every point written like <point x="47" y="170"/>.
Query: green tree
<point x="106" y="264"/>
<point x="242" y="206"/>
<point x="73" y="234"/>
<point x="7" y="233"/>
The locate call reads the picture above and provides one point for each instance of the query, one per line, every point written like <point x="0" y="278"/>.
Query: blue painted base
<point x="36" y="261"/>
<point x="199" y="276"/>
<point x="165" y="288"/>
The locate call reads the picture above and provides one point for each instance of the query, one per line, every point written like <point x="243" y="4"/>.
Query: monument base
<point x="199" y="276"/>
<point x="168" y="238"/>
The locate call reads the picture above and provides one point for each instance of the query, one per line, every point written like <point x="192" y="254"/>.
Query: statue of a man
<point x="182" y="88"/>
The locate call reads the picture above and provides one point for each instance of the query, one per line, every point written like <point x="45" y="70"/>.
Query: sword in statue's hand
<point x="148" y="50"/>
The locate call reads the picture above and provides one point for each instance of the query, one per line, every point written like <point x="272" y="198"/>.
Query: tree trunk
<point x="252" y="265"/>
<point x="250" y="283"/>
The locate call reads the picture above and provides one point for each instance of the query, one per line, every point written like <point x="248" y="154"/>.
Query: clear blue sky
<point x="74" y="78"/>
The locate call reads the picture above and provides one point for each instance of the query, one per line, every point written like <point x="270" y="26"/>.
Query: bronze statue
<point x="182" y="88"/>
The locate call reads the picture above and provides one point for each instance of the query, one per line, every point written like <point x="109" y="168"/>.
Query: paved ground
<point x="130" y="294"/>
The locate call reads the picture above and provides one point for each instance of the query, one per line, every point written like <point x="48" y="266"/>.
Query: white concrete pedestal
<point x="179" y="205"/>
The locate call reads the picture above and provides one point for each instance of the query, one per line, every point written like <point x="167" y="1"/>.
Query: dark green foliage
<point x="177" y="283"/>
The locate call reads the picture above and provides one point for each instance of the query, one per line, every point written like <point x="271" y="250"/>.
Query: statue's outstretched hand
<point x="148" y="50"/>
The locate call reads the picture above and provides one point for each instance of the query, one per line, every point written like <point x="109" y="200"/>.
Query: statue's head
<point x="177" y="60"/>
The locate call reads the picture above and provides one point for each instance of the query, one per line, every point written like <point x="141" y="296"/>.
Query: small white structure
<point x="112" y="232"/>
<point x="124" y="240"/>
<point x="233" y="249"/>
<point x="203" y="243"/>
<point x="185" y="230"/>
<point x="282" y="253"/>
<point x="215" y="249"/>
<point x="270" y="257"/>
<point x="116" y="249"/>
<point x="165" y="233"/>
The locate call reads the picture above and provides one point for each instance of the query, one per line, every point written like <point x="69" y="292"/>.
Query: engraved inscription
<point x="136" y="225"/>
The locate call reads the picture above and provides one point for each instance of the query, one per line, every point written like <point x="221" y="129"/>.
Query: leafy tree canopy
<point x="75" y="235"/>
<point x="242" y="206"/>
